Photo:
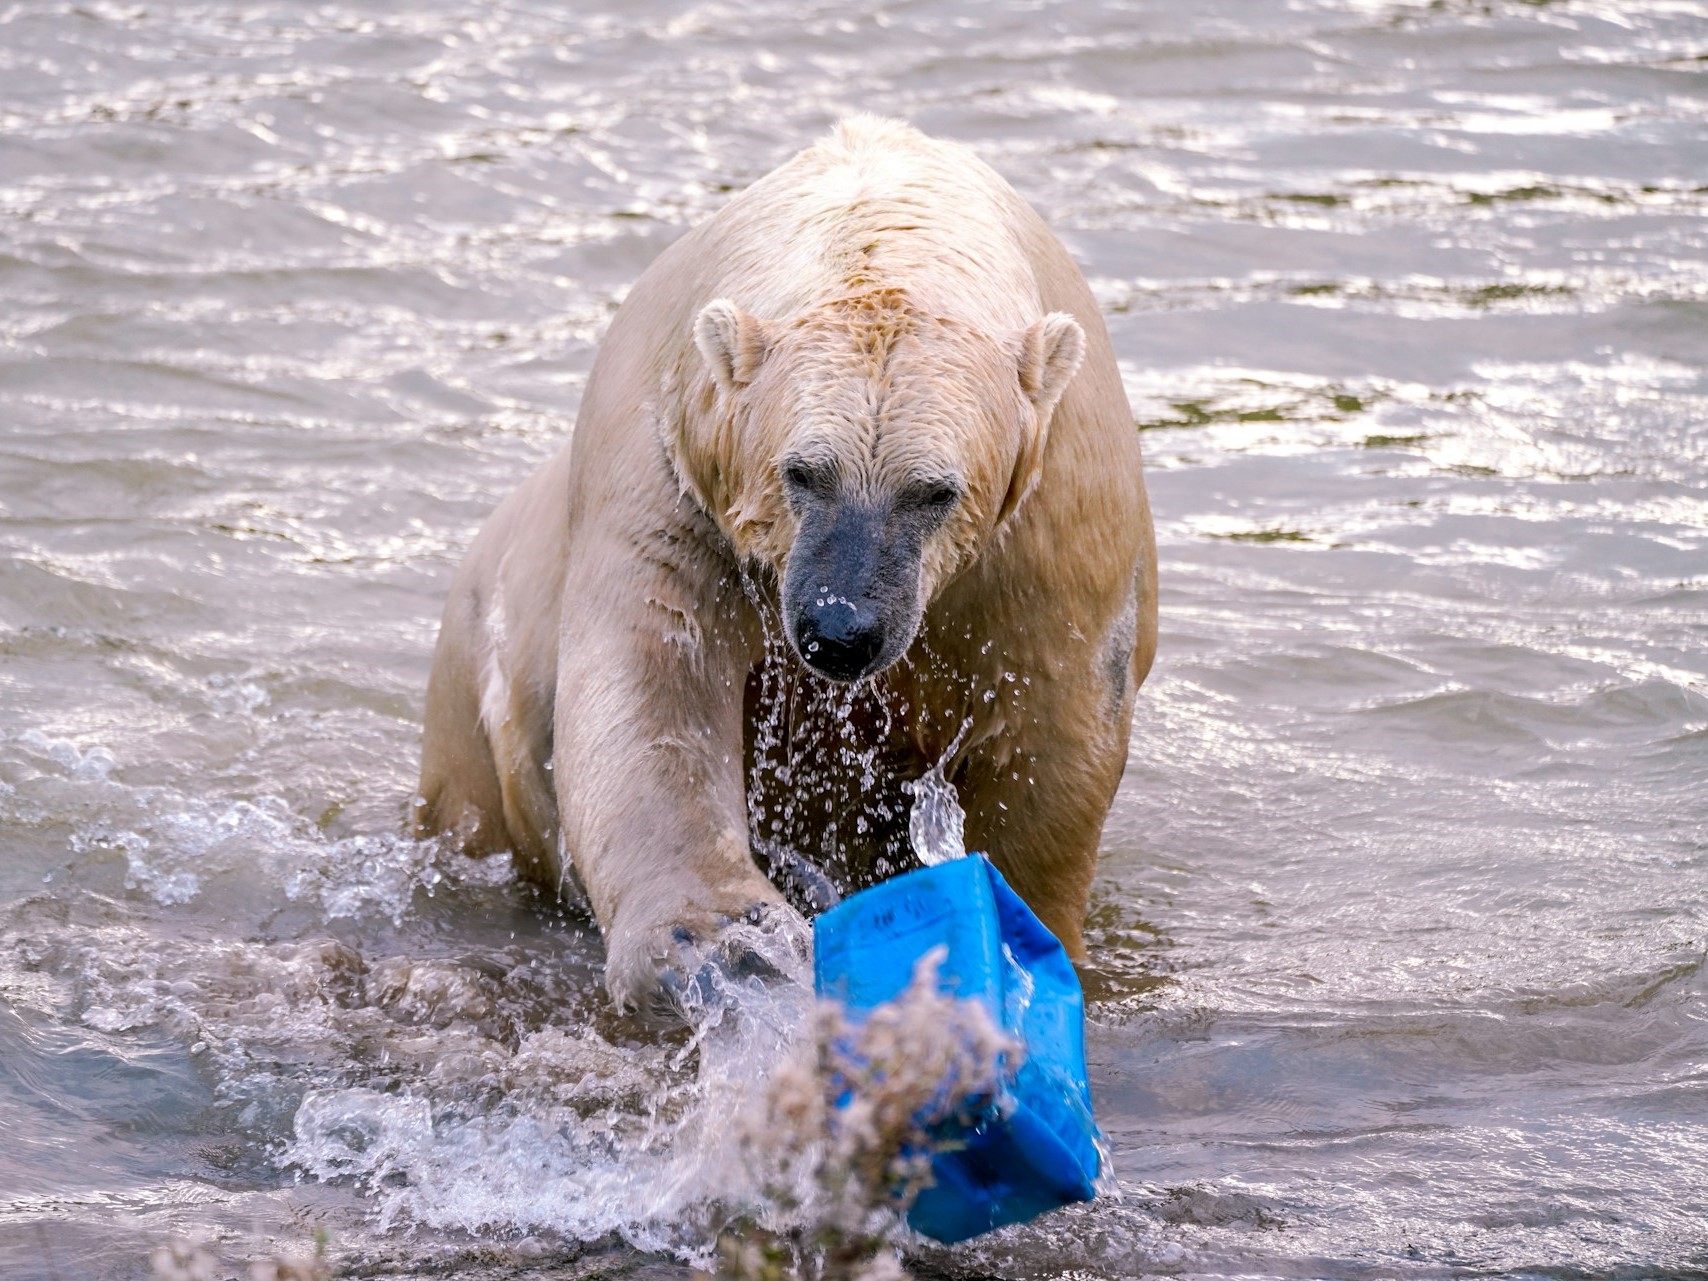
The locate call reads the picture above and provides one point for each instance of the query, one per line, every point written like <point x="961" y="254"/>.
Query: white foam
<point x="584" y="1139"/>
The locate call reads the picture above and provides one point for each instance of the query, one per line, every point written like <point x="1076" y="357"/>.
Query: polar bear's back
<point x="878" y="202"/>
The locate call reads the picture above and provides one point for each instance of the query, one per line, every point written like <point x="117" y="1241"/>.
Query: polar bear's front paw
<point x="689" y="969"/>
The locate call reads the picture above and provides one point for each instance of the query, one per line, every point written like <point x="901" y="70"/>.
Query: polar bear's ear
<point x="1050" y="354"/>
<point x="733" y="343"/>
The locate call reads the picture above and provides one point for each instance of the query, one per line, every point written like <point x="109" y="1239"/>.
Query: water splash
<point x="177" y="845"/>
<point x="825" y="809"/>
<point x="571" y="1134"/>
<point x="936" y="824"/>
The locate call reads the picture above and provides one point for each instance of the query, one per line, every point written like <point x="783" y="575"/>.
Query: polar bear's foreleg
<point x="648" y="762"/>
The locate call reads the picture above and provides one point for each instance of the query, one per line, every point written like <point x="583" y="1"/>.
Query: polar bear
<point x="854" y="493"/>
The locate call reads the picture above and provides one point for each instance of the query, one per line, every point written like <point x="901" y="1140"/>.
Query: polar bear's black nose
<point x="839" y="638"/>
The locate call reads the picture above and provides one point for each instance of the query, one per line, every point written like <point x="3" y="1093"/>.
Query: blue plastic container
<point x="1034" y="1149"/>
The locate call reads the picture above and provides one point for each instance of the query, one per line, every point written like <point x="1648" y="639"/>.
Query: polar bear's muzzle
<point x="851" y="591"/>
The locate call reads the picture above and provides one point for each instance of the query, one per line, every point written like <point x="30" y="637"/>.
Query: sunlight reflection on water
<point x="1396" y="944"/>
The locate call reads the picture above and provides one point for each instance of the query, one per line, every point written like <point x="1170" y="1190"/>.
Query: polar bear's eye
<point x="936" y="496"/>
<point x="802" y="477"/>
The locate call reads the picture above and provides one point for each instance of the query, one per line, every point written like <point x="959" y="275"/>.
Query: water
<point x="1400" y="925"/>
<point x="936" y="824"/>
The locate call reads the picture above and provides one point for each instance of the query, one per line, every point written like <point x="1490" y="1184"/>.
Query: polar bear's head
<point x="865" y="451"/>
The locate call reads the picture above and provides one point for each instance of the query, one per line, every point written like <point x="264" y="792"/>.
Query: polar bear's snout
<point x="840" y="638"/>
<point x="851" y="592"/>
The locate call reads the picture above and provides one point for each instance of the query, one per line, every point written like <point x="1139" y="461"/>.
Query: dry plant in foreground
<point x="197" y="1261"/>
<point x="842" y="1139"/>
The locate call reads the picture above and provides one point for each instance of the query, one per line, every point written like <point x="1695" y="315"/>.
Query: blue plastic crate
<point x="1035" y="1148"/>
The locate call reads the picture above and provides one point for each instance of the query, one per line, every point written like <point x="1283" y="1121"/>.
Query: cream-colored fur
<point x="604" y="700"/>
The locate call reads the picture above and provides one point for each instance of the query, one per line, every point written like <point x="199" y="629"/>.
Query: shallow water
<point x="1401" y="920"/>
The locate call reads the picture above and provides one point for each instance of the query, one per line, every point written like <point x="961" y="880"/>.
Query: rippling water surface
<point x="1399" y="932"/>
